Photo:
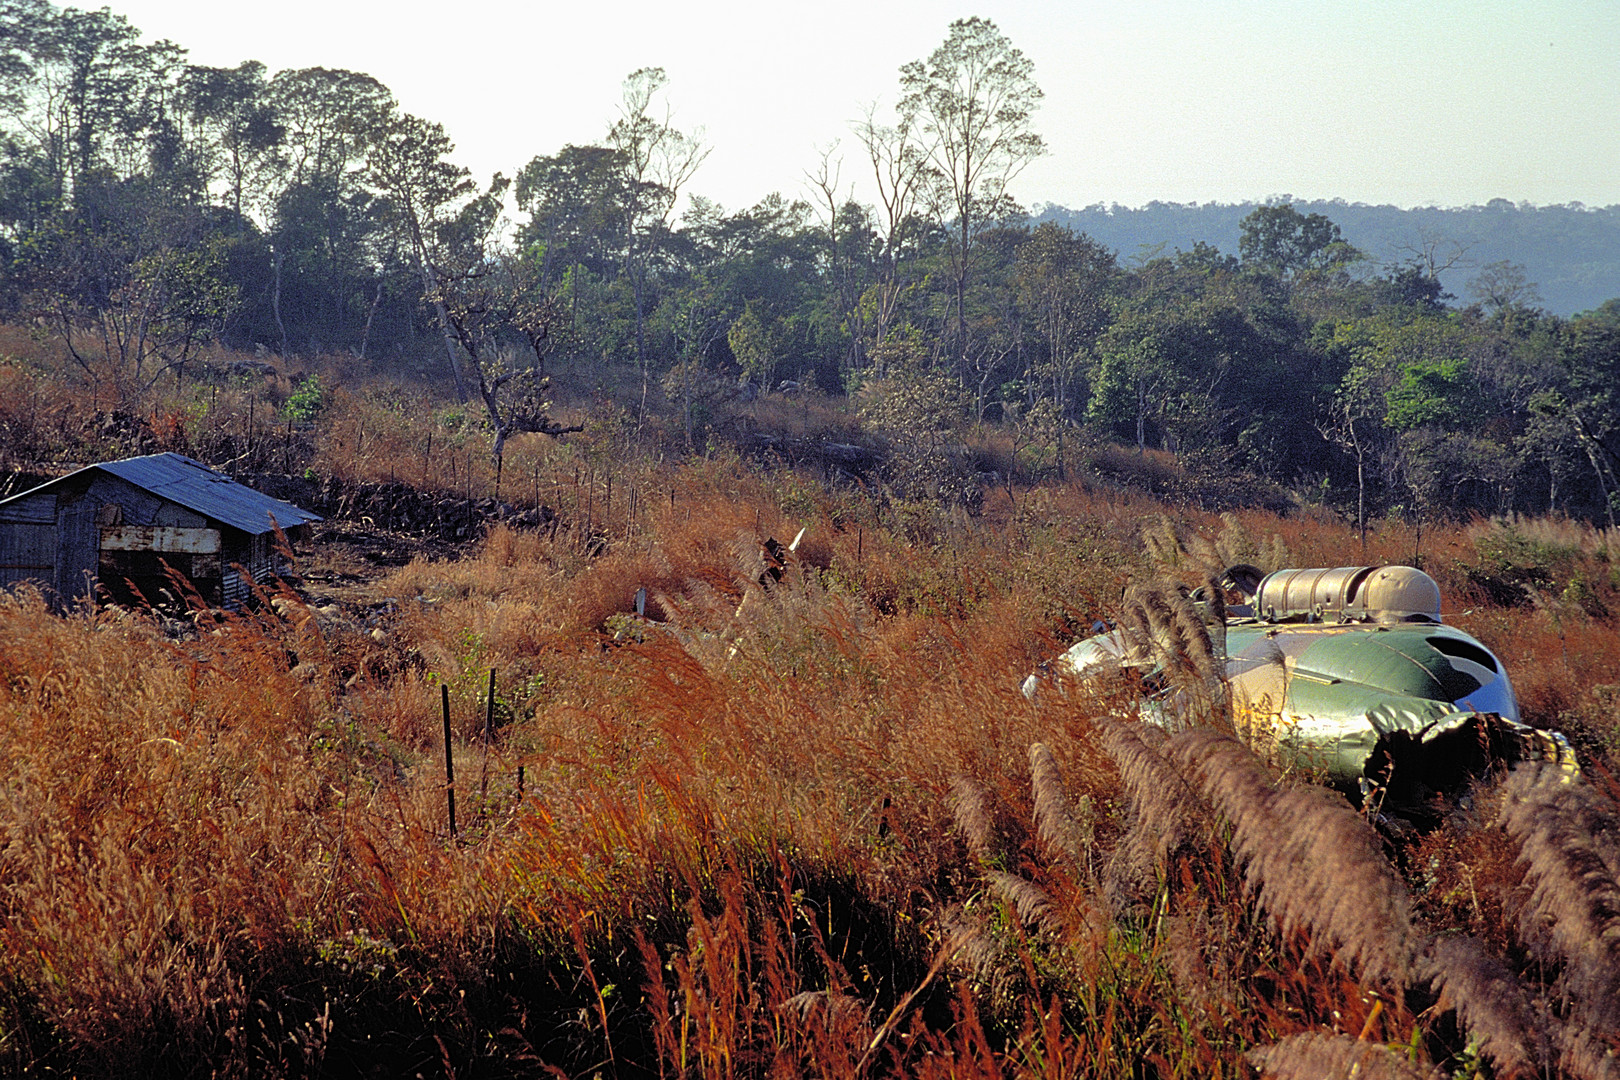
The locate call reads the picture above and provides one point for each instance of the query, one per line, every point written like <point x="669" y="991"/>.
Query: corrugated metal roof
<point x="195" y="486"/>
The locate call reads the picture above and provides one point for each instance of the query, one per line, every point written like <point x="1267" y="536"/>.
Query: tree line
<point x="1570" y="251"/>
<point x="150" y="206"/>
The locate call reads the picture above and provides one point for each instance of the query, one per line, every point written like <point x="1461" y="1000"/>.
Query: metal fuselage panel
<point x="1322" y="696"/>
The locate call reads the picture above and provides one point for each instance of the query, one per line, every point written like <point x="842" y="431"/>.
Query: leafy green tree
<point x="1188" y="357"/>
<point x="770" y="257"/>
<point x="921" y="412"/>
<point x="1280" y="240"/>
<point x="1415" y="387"/>
<point x="93" y="104"/>
<point x="575" y="202"/>
<point x="20" y="22"/>
<point x="1551" y="442"/>
<point x="103" y="208"/>
<point x="129" y="306"/>
<point x="329" y="118"/>
<point x="692" y="321"/>
<point x="332" y="255"/>
<point x="1414" y="284"/>
<point x="1429" y="392"/>
<point x="78" y="86"/>
<point x="241" y="131"/>
<point x="998" y="346"/>
<point x="1135" y="380"/>
<point x="753" y="346"/>
<point x="1588" y="400"/>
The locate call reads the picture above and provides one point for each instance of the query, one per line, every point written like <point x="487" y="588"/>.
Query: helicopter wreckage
<point x="1347" y="674"/>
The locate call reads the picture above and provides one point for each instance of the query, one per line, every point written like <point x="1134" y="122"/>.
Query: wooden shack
<point x="115" y="530"/>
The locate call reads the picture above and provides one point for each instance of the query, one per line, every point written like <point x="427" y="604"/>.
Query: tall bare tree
<point x="657" y="160"/>
<point x="406" y="163"/>
<point x="971" y="104"/>
<point x="841" y="273"/>
<point x="900" y="169"/>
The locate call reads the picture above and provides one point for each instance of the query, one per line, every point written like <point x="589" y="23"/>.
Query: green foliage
<point x="1429" y="392"/>
<point x="1065" y="282"/>
<point x="1279" y="239"/>
<point x="1538" y="562"/>
<point x="306" y="401"/>
<point x="752" y="346"/>
<point x="151" y="208"/>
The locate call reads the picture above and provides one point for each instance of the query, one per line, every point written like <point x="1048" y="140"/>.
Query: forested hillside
<point x="150" y="208"/>
<point x="1571" y="254"/>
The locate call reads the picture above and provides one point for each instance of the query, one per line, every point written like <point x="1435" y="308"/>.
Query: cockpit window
<point x="1464" y="650"/>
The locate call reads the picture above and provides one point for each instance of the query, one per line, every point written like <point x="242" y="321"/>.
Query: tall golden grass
<point x="787" y="823"/>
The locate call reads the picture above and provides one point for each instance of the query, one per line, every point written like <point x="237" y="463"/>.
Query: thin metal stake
<point x="489" y="737"/>
<point x="489" y="709"/>
<point x="449" y="760"/>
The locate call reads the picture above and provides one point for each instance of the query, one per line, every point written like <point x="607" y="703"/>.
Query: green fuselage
<point x="1326" y="693"/>
<point x="1322" y="698"/>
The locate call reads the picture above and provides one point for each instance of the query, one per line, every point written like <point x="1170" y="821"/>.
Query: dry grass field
<point x="794" y="827"/>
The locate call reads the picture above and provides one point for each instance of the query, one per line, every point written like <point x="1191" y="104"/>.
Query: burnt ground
<point x="373" y="529"/>
<point x="345" y="561"/>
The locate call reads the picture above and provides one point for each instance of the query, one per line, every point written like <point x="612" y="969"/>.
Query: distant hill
<point x="1572" y="252"/>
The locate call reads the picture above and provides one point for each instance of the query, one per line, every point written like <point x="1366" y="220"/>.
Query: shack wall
<point x="236" y="556"/>
<point x="257" y="556"/>
<point x="28" y="541"/>
<point x="137" y="506"/>
<point x="140" y="537"/>
<point x="78" y="545"/>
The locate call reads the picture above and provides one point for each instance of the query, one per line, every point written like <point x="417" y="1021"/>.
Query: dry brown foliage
<point x="1490" y="1001"/>
<point x="1570" y="915"/>
<point x="1333" y="1057"/>
<point x="1310" y="859"/>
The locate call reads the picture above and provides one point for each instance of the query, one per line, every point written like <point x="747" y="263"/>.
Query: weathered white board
<point x="160" y="538"/>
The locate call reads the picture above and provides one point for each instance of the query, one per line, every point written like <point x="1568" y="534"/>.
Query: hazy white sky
<point x="1412" y="102"/>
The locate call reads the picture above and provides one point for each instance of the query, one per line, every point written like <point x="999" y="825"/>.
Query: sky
<point x="1412" y="103"/>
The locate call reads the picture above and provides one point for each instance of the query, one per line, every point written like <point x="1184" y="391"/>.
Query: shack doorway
<point x="138" y="566"/>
